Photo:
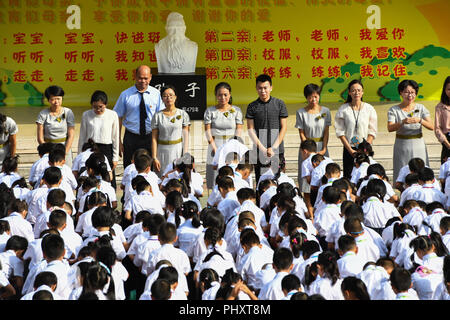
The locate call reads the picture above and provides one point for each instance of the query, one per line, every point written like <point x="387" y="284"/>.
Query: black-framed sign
<point x="191" y="90"/>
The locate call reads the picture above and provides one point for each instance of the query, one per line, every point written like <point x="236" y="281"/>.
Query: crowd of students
<point x="63" y="237"/>
<point x="335" y="233"/>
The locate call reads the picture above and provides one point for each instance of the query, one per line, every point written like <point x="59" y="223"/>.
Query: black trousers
<point x="107" y="150"/>
<point x="444" y="149"/>
<point x="132" y="142"/>
<point x="348" y="163"/>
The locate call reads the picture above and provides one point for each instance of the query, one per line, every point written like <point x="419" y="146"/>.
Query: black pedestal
<point x="190" y="87"/>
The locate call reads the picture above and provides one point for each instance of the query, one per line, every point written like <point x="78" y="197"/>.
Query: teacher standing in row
<point x="354" y="121"/>
<point x="407" y="119"/>
<point x="56" y="124"/>
<point x="135" y="108"/>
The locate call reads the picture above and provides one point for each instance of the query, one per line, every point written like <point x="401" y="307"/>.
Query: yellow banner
<point x="327" y="42"/>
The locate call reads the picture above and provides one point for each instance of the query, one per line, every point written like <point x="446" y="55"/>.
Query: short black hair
<point x="405" y="83"/>
<point x="346" y="243"/>
<point x="161" y="290"/>
<point x="282" y="258"/>
<point x="311" y="88"/>
<point x="56" y="91"/>
<point x="99" y="95"/>
<point x="400" y="279"/>
<point x="52" y="175"/>
<point x="263" y="78"/>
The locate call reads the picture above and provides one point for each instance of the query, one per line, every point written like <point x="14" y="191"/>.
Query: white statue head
<point x="175" y="25"/>
<point x="176" y="28"/>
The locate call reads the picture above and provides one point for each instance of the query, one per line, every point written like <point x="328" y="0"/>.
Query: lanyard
<point x="356" y="118"/>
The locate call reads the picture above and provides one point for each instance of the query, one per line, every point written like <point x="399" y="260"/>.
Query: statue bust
<point x="175" y="53"/>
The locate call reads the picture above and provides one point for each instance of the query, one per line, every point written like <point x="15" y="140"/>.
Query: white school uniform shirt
<point x="20" y="193"/>
<point x="217" y="263"/>
<point x="214" y="197"/>
<point x="144" y="251"/>
<point x="404" y="171"/>
<point x="143" y="201"/>
<point x="19" y="226"/>
<point x="367" y="249"/>
<point x="405" y="296"/>
<point x="69" y="182"/>
<point x="232" y="226"/>
<point x="84" y="224"/>
<point x="43" y="219"/>
<point x="119" y="274"/>
<point x="299" y="269"/>
<point x="104" y="187"/>
<point x="72" y="241"/>
<point x="429" y="194"/>
<point x="12" y="266"/>
<point x="441" y="292"/>
<point x="253" y="262"/>
<point x="200" y="247"/>
<point x="128" y="174"/>
<point x="265" y="275"/>
<point x="446" y="240"/>
<point x="264" y="200"/>
<point x="116" y="242"/>
<point x="269" y="174"/>
<point x="415" y="217"/>
<point x="187" y="235"/>
<point x="431" y="222"/>
<point x="377" y="212"/>
<point x="41" y="206"/>
<point x="444" y="170"/>
<point x="4" y="237"/>
<point x="29" y="296"/>
<point x="61" y="270"/>
<point x="181" y="289"/>
<point x="38" y="168"/>
<point x="324" y="218"/>
<point x="408" y="193"/>
<point x="232" y="145"/>
<point x="373" y="277"/>
<point x="324" y="287"/>
<point x="177" y="257"/>
<point x="32" y="202"/>
<point x="319" y="202"/>
<point x="234" y="244"/>
<point x="9" y="179"/>
<point x="399" y="243"/>
<point x="319" y="171"/>
<point x="350" y="264"/>
<point x="154" y="182"/>
<point x="359" y="173"/>
<point x="228" y="205"/>
<point x="307" y="166"/>
<point x="389" y="190"/>
<point x="80" y="161"/>
<point x="210" y="294"/>
<point x="132" y="231"/>
<point x="196" y="183"/>
<point x="427" y="277"/>
<point x="139" y="240"/>
<point x="239" y="183"/>
<point x="272" y="290"/>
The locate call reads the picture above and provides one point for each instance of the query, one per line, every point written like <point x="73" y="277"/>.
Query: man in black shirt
<point x="266" y="124"/>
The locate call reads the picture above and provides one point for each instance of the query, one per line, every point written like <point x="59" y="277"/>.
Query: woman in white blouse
<point x="354" y="121"/>
<point x="102" y="126"/>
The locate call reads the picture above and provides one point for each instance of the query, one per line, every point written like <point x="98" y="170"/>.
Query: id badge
<point x="355" y="141"/>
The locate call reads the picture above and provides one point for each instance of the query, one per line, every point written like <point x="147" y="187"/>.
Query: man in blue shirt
<point x="135" y="108"/>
